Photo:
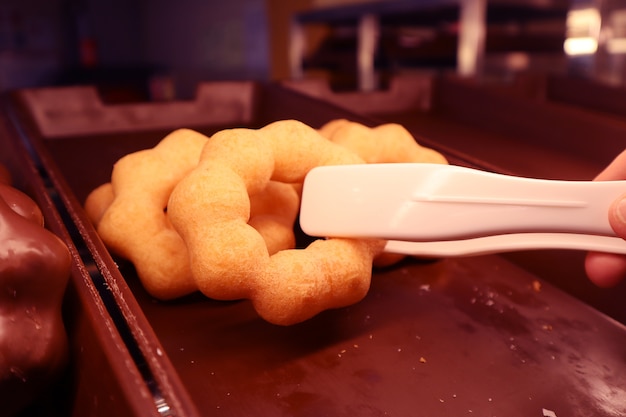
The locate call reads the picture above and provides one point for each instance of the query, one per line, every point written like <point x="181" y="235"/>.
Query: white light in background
<point x="583" y="31"/>
<point x="616" y="39"/>
<point x="580" y="46"/>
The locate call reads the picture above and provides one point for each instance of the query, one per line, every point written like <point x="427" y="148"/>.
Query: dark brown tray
<point x="102" y="378"/>
<point x="467" y="336"/>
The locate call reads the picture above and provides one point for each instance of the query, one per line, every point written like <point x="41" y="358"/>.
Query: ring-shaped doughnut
<point x="135" y="225"/>
<point x="210" y="208"/>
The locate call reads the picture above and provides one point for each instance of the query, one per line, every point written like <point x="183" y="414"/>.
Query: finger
<point x="616" y="170"/>
<point x="605" y="269"/>
<point x="617" y="216"/>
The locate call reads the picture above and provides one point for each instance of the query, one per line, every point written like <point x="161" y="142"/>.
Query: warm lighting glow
<point x="583" y="31"/>
<point x="616" y="46"/>
<point x="616" y="32"/>
<point x="517" y="60"/>
<point x="580" y="46"/>
<point x="582" y="18"/>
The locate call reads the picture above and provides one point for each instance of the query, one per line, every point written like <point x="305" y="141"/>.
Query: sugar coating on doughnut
<point x="130" y="212"/>
<point x="228" y="257"/>
<point x="135" y="225"/>
<point x="298" y="284"/>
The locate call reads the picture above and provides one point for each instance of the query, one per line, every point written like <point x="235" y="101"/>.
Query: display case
<point x="438" y="337"/>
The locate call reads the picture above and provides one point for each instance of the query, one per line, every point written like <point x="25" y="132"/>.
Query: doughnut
<point x="98" y="201"/>
<point x="217" y="215"/>
<point x="385" y="143"/>
<point x="135" y="225"/>
<point x="273" y="214"/>
<point x="130" y="213"/>
<point x="21" y="203"/>
<point x="35" y="267"/>
<point x="210" y="208"/>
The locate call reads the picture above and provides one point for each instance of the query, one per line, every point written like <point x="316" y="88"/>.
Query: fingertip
<point x="605" y="269"/>
<point x="617" y="216"/>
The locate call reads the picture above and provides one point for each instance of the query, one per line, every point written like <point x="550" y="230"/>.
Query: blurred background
<point x="160" y="50"/>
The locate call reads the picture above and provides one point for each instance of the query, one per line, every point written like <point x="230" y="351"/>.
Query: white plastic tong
<point x="445" y="210"/>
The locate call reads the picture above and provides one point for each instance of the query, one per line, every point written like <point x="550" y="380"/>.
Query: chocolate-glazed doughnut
<point x="21" y="204"/>
<point x="34" y="271"/>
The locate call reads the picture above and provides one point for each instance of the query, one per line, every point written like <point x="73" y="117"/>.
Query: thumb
<point x="617" y="216"/>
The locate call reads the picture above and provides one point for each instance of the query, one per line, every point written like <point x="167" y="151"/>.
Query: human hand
<point x="608" y="269"/>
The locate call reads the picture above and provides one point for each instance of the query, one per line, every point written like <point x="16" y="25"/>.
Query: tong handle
<point x="508" y="243"/>
<point x="432" y="202"/>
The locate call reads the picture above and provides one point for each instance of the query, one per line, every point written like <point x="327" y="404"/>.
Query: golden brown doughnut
<point x="130" y="213"/>
<point x="135" y="225"/>
<point x="217" y="215"/>
<point x="210" y="208"/>
<point x="273" y="214"/>
<point x="388" y="142"/>
<point x="98" y="201"/>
